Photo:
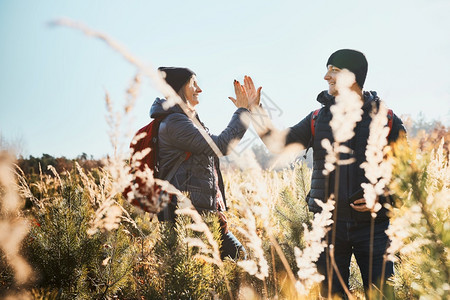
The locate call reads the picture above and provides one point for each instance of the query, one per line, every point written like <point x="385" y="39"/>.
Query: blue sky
<point x="53" y="80"/>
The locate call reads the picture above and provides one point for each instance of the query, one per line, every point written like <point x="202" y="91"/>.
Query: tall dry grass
<point x="121" y="252"/>
<point x="13" y="226"/>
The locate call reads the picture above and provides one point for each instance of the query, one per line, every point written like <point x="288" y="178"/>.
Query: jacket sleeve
<point x="275" y="139"/>
<point x="398" y="129"/>
<point x="182" y="133"/>
<point x="301" y="132"/>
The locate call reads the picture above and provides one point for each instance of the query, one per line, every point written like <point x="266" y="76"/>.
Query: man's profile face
<point x="331" y="77"/>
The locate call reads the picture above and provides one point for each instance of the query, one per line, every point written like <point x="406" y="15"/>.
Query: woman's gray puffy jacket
<point x="177" y="135"/>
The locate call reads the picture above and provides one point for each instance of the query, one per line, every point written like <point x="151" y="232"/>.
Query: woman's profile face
<point x="191" y="91"/>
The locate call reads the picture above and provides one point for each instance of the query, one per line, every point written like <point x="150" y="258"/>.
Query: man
<point x="353" y="219"/>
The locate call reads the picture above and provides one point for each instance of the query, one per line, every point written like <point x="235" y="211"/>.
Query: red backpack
<point x="147" y="196"/>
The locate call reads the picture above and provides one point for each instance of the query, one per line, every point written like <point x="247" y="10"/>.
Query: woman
<point x="187" y="159"/>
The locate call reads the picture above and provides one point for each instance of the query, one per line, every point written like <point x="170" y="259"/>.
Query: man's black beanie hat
<point x="352" y="60"/>
<point x="176" y="77"/>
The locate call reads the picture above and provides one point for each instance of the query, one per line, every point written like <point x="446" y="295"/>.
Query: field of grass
<point x="79" y="239"/>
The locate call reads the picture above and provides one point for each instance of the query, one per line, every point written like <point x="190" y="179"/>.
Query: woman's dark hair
<point x="181" y="90"/>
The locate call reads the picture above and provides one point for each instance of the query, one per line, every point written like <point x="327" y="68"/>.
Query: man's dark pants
<point x="354" y="237"/>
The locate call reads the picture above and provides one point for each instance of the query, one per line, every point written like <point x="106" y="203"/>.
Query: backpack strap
<point x="177" y="165"/>
<point x="313" y="122"/>
<point x="313" y="130"/>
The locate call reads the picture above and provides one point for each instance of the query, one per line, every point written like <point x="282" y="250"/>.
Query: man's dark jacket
<point x="351" y="176"/>
<point x="177" y="135"/>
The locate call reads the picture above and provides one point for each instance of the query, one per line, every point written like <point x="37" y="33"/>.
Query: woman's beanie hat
<point x="176" y="77"/>
<point x="352" y="60"/>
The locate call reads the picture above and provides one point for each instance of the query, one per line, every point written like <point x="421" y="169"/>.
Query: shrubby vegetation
<point x="141" y="258"/>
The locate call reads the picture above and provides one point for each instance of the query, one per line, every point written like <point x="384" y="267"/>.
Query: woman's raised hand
<point x="241" y="99"/>
<point x="254" y="96"/>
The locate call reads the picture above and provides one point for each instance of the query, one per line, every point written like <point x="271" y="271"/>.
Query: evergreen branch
<point x="439" y="245"/>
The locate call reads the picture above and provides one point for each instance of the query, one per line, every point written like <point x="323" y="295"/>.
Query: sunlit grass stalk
<point x="280" y="253"/>
<point x="13" y="227"/>
<point x="383" y="272"/>
<point x="260" y="205"/>
<point x="372" y="234"/>
<point x="335" y="211"/>
<point x="338" y="274"/>
<point x="199" y="225"/>
<point x="260" y="269"/>
<point x="272" y="254"/>
<point x="346" y="113"/>
<point x="377" y="170"/>
<point x="314" y="245"/>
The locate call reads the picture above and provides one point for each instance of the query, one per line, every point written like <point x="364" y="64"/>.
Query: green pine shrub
<point x="422" y="187"/>
<point x="64" y="256"/>
<point x="173" y="271"/>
